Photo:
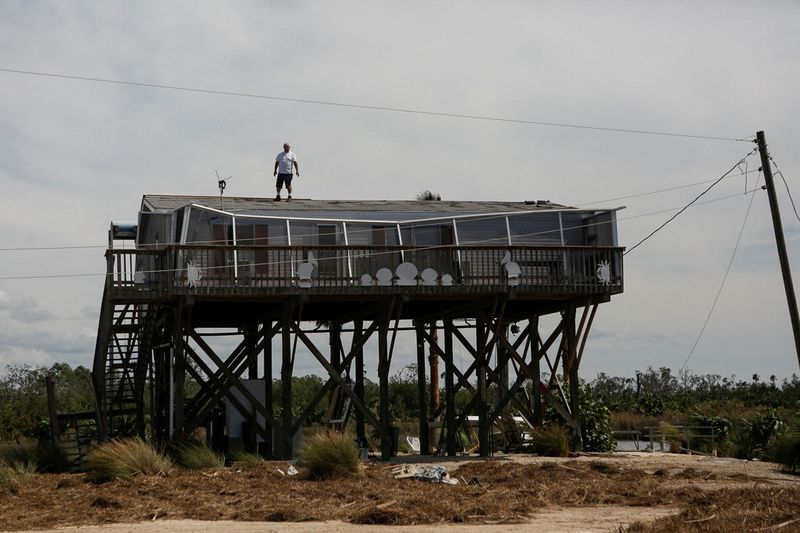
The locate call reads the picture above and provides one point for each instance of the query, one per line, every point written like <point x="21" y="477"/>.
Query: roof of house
<point x="162" y="202"/>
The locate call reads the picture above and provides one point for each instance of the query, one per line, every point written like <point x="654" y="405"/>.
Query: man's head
<point x="286" y="147"/>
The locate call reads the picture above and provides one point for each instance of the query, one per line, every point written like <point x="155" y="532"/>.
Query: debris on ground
<point x="431" y="474"/>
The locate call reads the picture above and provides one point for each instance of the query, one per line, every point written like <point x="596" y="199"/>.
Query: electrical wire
<point x="388" y="252"/>
<point x="369" y="230"/>
<point x="721" y="285"/>
<point x="673" y="217"/>
<point x="658" y="191"/>
<point x="372" y="107"/>
<point x="794" y="207"/>
<point x="785" y="184"/>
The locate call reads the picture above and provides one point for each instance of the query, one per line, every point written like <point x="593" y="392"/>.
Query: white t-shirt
<point x="285" y="160"/>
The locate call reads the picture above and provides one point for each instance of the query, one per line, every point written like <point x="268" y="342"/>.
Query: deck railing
<point x="203" y="269"/>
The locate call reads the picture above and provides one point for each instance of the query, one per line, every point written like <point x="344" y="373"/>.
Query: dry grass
<point x="19" y="456"/>
<point x="8" y="481"/>
<point x="248" y="459"/>
<point x="124" y="458"/>
<point x="196" y="455"/>
<point x="502" y="491"/>
<point x="329" y="455"/>
<point x="550" y="440"/>
<point x="726" y="510"/>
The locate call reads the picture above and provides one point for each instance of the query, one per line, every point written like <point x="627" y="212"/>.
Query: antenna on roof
<point x="221" y="183"/>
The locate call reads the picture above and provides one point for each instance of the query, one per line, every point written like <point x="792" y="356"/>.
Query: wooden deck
<point x="243" y="272"/>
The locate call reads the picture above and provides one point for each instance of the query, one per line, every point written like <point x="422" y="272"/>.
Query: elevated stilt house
<point x="271" y="273"/>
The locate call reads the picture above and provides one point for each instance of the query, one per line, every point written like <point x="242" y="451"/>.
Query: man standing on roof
<point x="285" y="163"/>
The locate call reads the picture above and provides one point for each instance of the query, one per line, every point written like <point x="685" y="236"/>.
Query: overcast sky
<point x="76" y="154"/>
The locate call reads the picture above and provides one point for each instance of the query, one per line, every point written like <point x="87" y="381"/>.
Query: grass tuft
<point x="51" y="457"/>
<point x="328" y="456"/>
<point x="16" y="455"/>
<point x="550" y="440"/>
<point x="196" y="455"/>
<point x="786" y="450"/>
<point x="248" y="459"/>
<point x="6" y="477"/>
<point x="124" y="458"/>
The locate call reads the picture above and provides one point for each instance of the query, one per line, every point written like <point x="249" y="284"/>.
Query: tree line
<point x="654" y="393"/>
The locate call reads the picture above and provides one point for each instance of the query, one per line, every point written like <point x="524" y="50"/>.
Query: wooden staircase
<point x="121" y="364"/>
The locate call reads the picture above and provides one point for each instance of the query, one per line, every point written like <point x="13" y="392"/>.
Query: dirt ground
<point x="624" y="491"/>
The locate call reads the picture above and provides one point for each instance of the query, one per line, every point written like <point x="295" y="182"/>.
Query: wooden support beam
<point x="287" y="369"/>
<point x="210" y="395"/>
<point x="536" y="345"/>
<point x="463" y="378"/>
<point x="483" y="415"/>
<point x="574" y="383"/>
<point x="433" y="361"/>
<point x="383" y="385"/>
<point x="507" y="395"/>
<point x="358" y="349"/>
<point x="234" y="383"/>
<point x="585" y="336"/>
<point x="424" y="445"/>
<point x="251" y="337"/>
<point x="561" y="407"/>
<point x="269" y="439"/>
<point x="238" y="405"/>
<point x="237" y="357"/>
<point x="449" y="393"/>
<point x="333" y="373"/>
<point x="179" y="374"/>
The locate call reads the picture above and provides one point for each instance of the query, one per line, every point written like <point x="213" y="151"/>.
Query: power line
<point x="658" y="191"/>
<point x="721" y="285"/>
<point x="53" y="248"/>
<point x="673" y="217"/>
<point x="794" y="207"/>
<point x="425" y="248"/>
<point x="369" y="230"/>
<point x="373" y="107"/>
<point x="785" y="184"/>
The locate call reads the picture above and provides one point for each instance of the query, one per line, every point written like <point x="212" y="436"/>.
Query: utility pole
<point x="780" y="241"/>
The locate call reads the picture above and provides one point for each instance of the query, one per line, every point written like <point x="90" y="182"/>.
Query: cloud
<point x="24" y="309"/>
<point x="76" y="155"/>
<point x="15" y="355"/>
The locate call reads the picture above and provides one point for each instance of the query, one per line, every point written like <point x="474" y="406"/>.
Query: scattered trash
<point x="281" y="471"/>
<point x="292" y="471"/>
<point x="432" y="474"/>
<point x="385" y="505"/>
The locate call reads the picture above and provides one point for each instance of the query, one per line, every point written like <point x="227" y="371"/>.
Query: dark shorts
<point x="283" y="178"/>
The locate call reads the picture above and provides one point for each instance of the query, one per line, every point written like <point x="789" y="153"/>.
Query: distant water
<point x="630" y="446"/>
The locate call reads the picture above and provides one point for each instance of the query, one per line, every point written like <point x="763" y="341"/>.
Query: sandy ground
<point x="696" y="473"/>
<point x="566" y="520"/>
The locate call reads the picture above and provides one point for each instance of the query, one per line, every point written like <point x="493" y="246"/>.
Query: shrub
<point x="18" y="454"/>
<point x="123" y="458"/>
<point x="785" y="449"/>
<point x="752" y="438"/>
<point x="721" y="425"/>
<point x="8" y="480"/>
<point x="52" y="458"/>
<point x="595" y="420"/>
<point x="328" y="456"/>
<point x="550" y="440"/>
<point x="248" y="459"/>
<point x="196" y="455"/>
